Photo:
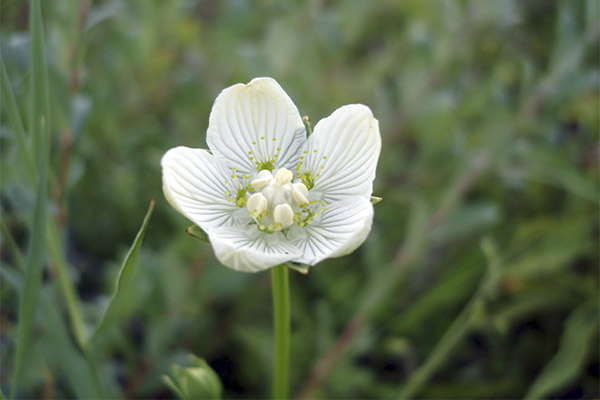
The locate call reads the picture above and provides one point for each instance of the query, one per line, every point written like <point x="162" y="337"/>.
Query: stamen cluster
<point x="277" y="202"/>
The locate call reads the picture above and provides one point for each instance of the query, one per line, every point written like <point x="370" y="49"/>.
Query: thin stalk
<point x="281" y="329"/>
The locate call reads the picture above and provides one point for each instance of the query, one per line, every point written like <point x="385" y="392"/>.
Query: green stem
<point x="281" y="328"/>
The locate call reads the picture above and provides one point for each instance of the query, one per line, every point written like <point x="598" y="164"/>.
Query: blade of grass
<point x="53" y="237"/>
<point x="55" y="341"/>
<point x="112" y="311"/>
<point x="53" y="241"/>
<point x="58" y="256"/>
<point x="79" y="371"/>
<point x="14" y="118"/>
<point x="36" y="252"/>
<point x="12" y="245"/>
<point x="84" y="377"/>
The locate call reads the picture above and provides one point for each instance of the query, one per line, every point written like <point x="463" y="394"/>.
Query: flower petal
<point x="247" y="249"/>
<point x="197" y="185"/>
<point x="256" y="123"/>
<point x="344" y="225"/>
<point x="342" y="153"/>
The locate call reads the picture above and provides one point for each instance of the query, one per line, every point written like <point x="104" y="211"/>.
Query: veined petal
<point x="256" y="123"/>
<point x="197" y="185"/>
<point x="247" y="249"/>
<point x="342" y="153"/>
<point x="344" y="225"/>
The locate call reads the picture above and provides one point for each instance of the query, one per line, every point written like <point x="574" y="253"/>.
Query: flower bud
<point x="199" y="381"/>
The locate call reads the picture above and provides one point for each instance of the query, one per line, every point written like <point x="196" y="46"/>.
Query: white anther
<point x="262" y="179"/>
<point x="257" y="203"/>
<point x="283" y="176"/>
<point x="284" y="215"/>
<point x="299" y="193"/>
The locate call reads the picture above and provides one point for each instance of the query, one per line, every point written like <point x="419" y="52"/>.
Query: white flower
<point x="266" y="194"/>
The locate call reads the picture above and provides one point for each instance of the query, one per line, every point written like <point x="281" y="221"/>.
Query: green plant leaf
<point x="55" y="251"/>
<point x="54" y="342"/>
<point x="16" y="123"/>
<point x="579" y="332"/>
<point x="36" y="253"/>
<point x="114" y="306"/>
<point x="52" y="236"/>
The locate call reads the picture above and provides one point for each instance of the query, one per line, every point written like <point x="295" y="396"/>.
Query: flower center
<point x="277" y="203"/>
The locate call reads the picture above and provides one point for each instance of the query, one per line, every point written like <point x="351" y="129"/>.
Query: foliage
<point x="479" y="279"/>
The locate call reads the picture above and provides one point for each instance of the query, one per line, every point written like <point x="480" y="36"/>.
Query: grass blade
<point x="58" y="257"/>
<point x="112" y="311"/>
<point x="12" y="245"/>
<point x="10" y="104"/>
<point x="53" y="238"/>
<point x="36" y="252"/>
<point x="55" y="342"/>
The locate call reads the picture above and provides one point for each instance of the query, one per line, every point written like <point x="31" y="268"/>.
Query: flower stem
<point x="281" y="329"/>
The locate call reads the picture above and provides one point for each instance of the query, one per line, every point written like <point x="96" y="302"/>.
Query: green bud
<point x="198" y="381"/>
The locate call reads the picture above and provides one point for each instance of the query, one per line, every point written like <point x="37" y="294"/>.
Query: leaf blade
<point x="575" y="342"/>
<point x="36" y="253"/>
<point x="111" y="312"/>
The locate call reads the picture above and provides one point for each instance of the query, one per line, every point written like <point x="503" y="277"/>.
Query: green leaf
<point x="114" y="307"/>
<point x="10" y="104"/>
<point x="197" y="232"/>
<point x="19" y="259"/>
<point x="575" y="344"/>
<point x="55" y="250"/>
<point x="36" y="253"/>
<point x="55" y="345"/>
<point x="554" y="169"/>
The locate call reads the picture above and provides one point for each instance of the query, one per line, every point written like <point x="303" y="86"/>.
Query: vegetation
<point x="479" y="279"/>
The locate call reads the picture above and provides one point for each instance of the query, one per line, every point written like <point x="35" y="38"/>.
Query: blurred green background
<point x="480" y="276"/>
